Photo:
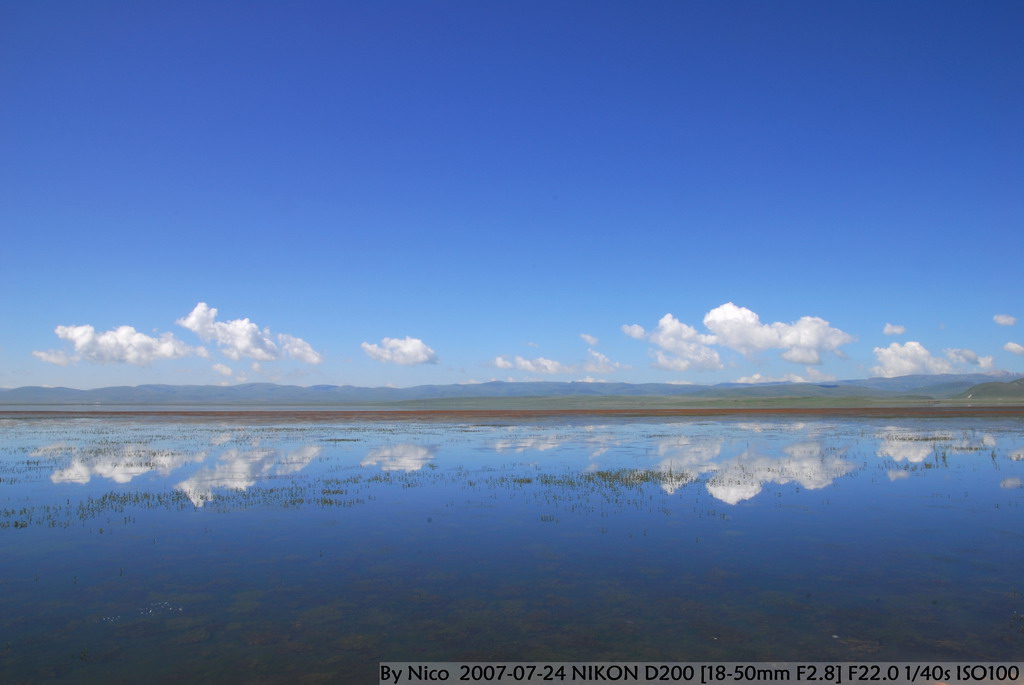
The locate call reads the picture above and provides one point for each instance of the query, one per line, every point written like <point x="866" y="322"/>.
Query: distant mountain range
<point x="943" y="386"/>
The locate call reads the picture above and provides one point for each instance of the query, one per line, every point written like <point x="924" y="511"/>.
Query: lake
<point x="256" y="549"/>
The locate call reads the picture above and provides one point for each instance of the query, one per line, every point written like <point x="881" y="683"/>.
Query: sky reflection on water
<point x="320" y="547"/>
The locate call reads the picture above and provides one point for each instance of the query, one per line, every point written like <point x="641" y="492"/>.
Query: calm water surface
<point x="258" y="552"/>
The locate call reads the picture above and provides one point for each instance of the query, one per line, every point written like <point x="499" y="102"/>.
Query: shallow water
<point x="174" y="549"/>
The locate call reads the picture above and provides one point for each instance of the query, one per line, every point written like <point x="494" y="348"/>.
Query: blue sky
<point x="401" y="193"/>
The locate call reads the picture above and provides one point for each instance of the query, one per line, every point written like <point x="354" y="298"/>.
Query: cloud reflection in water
<point x="238" y="470"/>
<point x="916" y="446"/>
<point x="742" y="477"/>
<point x="735" y="465"/>
<point x="120" y="464"/>
<point x="403" y="457"/>
<point x="806" y="464"/>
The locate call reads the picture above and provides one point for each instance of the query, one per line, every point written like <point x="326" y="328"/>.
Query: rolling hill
<point x="1012" y="390"/>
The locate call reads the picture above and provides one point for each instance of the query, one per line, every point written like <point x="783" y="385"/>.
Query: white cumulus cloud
<point x="297" y="348"/>
<point x="802" y="342"/>
<point x="59" y="357"/>
<point x="689" y="355"/>
<point x="406" y="351"/>
<point x="538" y="365"/>
<point x="123" y="344"/>
<point x="239" y="338"/>
<point x="223" y="369"/>
<point x="963" y="356"/>
<point x="1016" y="348"/>
<point x="813" y="375"/>
<point x="894" y="329"/>
<point x="910" y="358"/>
<point x="634" y="331"/>
<point x="589" y="339"/>
<point x="1004" y="319"/>
<point x="681" y="346"/>
<point x="595" y="363"/>
<point x="599" y="363"/>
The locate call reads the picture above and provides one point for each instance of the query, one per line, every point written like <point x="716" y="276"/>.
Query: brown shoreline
<point x="422" y="415"/>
